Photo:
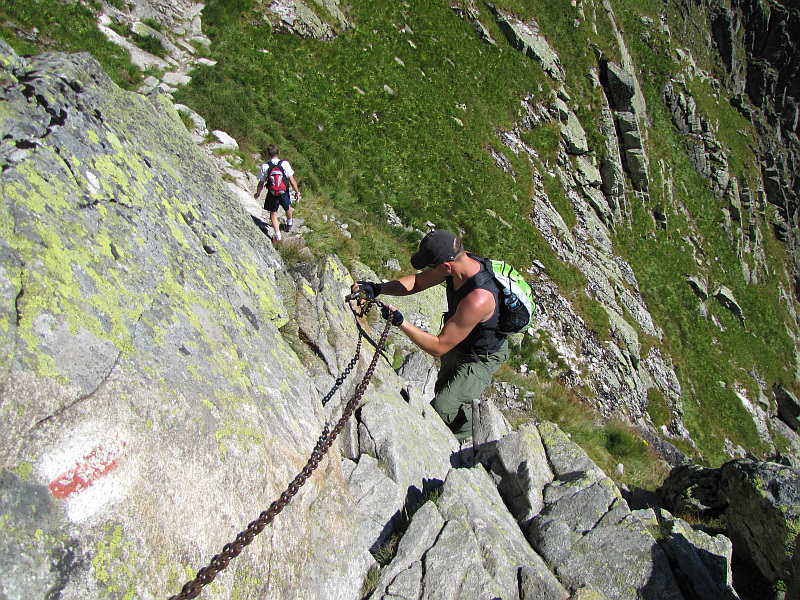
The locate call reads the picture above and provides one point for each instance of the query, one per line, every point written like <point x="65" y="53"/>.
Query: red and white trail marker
<point x="101" y="461"/>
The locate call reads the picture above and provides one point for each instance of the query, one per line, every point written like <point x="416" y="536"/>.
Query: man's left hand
<point x="396" y="315"/>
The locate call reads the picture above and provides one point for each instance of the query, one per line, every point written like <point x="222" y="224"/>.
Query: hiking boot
<point x="288" y="226"/>
<point x="277" y="237"/>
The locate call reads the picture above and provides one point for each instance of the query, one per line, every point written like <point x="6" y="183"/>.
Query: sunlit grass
<point x="607" y="442"/>
<point x="50" y="25"/>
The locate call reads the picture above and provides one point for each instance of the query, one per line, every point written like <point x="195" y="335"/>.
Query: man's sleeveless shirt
<point x="484" y="338"/>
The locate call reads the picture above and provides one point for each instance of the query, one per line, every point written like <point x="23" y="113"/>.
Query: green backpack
<point x="516" y="308"/>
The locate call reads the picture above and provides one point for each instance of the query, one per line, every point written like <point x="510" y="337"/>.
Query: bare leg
<point x="275" y="225"/>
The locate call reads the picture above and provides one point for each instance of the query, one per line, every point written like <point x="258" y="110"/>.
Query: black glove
<point x="371" y="289"/>
<point x="397" y="319"/>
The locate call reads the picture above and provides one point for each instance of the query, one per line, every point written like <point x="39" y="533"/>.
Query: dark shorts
<point x="271" y="202"/>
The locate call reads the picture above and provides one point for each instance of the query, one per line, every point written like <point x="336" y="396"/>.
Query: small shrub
<point x="594" y="315"/>
<point x="607" y="443"/>
<point x="710" y="524"/>
<point x="186" y="119"/>
<point x="657" y="408"/>
<point x="558" y="198"/>
<point x="545" y="139"/>
<point x="153" y="24"/>
<point x="384" y="553"/>
<point x="120" y="29"/>
<point x="620" y="442"/>
<point x="149" y="43"/>
<point x="293" y="250"/>
<point x="201" y="50"/>
<point x="658" y="532"/>
<point x="370" y="581"/>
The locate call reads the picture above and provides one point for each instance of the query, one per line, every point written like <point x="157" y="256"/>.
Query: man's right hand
<point x="370" y="288"/>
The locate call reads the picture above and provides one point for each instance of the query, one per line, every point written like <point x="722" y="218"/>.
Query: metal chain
<point x="232" y="549"/>
<point x="346" y="372"/>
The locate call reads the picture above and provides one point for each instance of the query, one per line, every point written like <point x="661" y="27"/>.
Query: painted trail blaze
<point x="103" y="459"/>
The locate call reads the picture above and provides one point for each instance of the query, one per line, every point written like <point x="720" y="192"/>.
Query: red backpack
<point x="276" y="180"/>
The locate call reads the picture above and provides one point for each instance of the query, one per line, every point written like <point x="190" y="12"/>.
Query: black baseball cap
<point x="438" y="247"/>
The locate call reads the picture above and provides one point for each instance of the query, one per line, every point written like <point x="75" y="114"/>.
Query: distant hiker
<point x="274" y="174"/>
<point x="469" y="344"/>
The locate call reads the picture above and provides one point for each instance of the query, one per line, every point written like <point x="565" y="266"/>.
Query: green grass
<point x="186" y="120"/>
<point x="153" y="24"/>
<point x="712" y="410"/>
<point x="657" y="408"/>
<point x="607" y="443"/>
<point x="535" y="354"/>
<point x="50" y="25"/>
<point x="594" y="315"/>
<point x="293" y="250"/>
<point x="558" y="198"/>
<point x="406" y="150"/>
<point x="149" y="43"/>
<point x="370" y="581"/>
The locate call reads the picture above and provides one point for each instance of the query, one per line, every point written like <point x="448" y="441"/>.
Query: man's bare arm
<point x="294" y="185"/>
<point x="477" y="306"/>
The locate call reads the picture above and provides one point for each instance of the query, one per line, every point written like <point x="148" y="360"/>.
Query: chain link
<point x="232" y="549"/>
<point x="340" y="380"/>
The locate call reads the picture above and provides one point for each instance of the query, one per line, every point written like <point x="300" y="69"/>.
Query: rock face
<point x="616" y="372"/>
<point x="588" y="533"/>
<point x="788" y="407"/>
<point x="761" y="505"/>
<point x="764" y="516"/>
<point x="300" y="17"/>
<point x="759" y="45"/>
<point x="179" y="34"/>
<point x="467" y="544"/>
<point x="145" y="385"/>
<point x="594" y="179"/>
<point x="526" y="38"/>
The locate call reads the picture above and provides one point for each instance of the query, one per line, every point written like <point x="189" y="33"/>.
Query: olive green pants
<point x="462" y="380"/>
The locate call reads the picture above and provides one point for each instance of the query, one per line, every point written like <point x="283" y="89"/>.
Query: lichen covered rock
<point x="150" y="407"/>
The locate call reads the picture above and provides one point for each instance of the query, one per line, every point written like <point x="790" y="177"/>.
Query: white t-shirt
<point x="287" y="170"/>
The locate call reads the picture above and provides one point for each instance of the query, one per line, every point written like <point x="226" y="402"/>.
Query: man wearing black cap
<point x="469" y="344"/>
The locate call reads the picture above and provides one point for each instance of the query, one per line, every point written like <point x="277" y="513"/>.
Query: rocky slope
<point x="156" y="397"/>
